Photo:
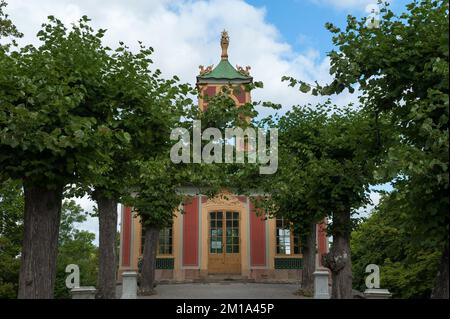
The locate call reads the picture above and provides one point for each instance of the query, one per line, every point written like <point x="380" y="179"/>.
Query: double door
<point x="224" y="249"/>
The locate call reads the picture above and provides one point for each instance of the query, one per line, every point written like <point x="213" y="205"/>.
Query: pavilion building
<point x="222" y="236"/>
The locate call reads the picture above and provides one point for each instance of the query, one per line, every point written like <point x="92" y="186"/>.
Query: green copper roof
<point x="224" y="70"/>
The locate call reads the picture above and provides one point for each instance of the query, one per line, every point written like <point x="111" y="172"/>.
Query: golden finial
<point x="224" y="41"/>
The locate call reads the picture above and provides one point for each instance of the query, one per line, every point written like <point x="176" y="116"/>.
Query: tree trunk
<point x="40" y="242"/>
<point x="338" y="260"/>
<point x="149" y="260"/>
<point x="440" y="290"/>
<point x="107" y="218"/>
<point x="309" y="261"/>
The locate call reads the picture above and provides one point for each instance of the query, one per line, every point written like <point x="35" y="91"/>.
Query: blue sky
<point x="302" y="22"/>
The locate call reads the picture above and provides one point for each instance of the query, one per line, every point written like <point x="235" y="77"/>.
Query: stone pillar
<point x="321" y="290"/>
<point x="83" y="292"/>
<point x="377" y="293"/>
<point x="129" y="285"/>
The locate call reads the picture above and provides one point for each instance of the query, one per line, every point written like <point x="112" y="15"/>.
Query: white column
<point x="321" y="290"/>
<point x="129" y="285"/>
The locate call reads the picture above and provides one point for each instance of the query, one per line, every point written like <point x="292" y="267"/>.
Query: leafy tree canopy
<point x="407" y="267"/>
<point x="401" y="71"/>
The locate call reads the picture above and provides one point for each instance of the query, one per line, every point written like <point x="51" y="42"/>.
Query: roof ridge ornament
<point x="243" y="71"/>
<point x="206" y="70"/>
<point x="224" y="42"/>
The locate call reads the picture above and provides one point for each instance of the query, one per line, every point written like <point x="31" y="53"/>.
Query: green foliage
<point x="157" y="195"/>
<point x="401" y="69"/>
<point x="80" y="250"/>
<point x="146" y="107"/>
<point x="71" y="214"/>
<point x="327" y="159"/>
<point x="11" y="228"/>
<point x="222" y="113"/>
<point x="48" y="116"/>
<point x="407" y="267"/>
<point x="142" y="174"/>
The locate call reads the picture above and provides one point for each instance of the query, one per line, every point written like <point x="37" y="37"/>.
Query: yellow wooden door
<point x="224" y="255"/>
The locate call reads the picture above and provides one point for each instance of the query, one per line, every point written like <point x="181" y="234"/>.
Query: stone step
<point x="224" y="278"/>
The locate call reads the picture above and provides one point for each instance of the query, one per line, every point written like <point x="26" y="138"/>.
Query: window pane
<point x="216" y="244"/>
<point x="165" y="241"/>
<point x="288" y="249"/>
<point x="283" y="237"/>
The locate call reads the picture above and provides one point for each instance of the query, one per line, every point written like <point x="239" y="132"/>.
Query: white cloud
<point x="185" y="34"/>
<point x="359" y="5"/>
